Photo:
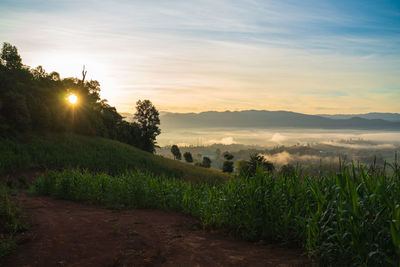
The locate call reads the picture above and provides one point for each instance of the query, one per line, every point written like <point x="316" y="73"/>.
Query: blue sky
<point x="305" y="56"/>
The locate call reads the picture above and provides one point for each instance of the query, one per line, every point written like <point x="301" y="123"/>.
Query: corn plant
<point x="351" y="218"/>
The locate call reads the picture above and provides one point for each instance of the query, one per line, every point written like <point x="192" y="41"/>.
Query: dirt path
<point x="66" y="233"/>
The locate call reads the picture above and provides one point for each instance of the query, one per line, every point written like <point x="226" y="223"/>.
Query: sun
<point x="72" y="99"/>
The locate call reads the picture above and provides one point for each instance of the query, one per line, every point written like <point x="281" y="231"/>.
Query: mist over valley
<point x="266" y="133"/>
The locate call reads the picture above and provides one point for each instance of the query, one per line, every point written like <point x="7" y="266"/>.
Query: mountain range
<point x="280" y="119"/>
<point x="372" y="115"/>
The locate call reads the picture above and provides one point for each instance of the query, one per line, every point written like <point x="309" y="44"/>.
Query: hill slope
<point x="58" y="151"/>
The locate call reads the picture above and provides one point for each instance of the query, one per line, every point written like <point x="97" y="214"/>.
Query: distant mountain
<point x="270" y="119"/>
<point x="370" y="116"/>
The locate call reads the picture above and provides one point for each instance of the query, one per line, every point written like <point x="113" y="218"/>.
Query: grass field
<point x="10" y="222"/>
<point x="59" y="151"/>
<point x="351" y="218"/>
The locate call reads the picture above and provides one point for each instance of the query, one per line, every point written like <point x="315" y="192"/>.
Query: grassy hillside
<point x="59" y="151"/>
<point x="351" y="218"/>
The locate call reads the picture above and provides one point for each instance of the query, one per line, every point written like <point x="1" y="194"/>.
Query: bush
<point x="228" y="166"/>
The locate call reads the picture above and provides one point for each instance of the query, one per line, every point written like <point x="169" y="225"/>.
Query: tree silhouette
<point x="206" y="162"/>
<point x="228" y="156"/>
<point x="227" y="166"/>
<point x="148" y="120"/>
<point x="176" y="152"/>
<point x="10" y="57"/>
<point x="228" y="163"/>
<point x="249" y="168"/>
<point x="188" y="157"/>
<point x="33" y="100"/>
<point x="258" y="161"/>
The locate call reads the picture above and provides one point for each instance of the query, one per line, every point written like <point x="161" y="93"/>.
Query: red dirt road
<point x="65" y="233"/>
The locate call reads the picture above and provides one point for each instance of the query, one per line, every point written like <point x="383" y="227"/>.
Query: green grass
<point x="349" y="218"/>
<point x="59" y="151"/>
<point x="10" y="223"/>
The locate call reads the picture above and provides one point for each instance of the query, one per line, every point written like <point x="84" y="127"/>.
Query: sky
<point x="310" y="56"/>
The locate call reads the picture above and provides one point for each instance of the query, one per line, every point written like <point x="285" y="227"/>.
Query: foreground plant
<point x="351" y="217"/>
<point x="10" y="223"/>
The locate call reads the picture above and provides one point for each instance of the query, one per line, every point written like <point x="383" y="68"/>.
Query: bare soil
<point x="65" y="233"/>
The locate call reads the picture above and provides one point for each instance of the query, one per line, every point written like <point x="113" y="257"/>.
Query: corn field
<point x="352" y="218"/>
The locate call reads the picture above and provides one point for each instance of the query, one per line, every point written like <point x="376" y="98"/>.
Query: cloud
<point x="278" y="138"/>
<point x="285" y="158"/>
<point x="360" y="146"/>
<point x="238" y="54"/>
<point x="224" y="141"/>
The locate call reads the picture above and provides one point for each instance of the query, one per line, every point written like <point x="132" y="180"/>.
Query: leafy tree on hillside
<point x="188" y="157"/>
<point x="228" y="156"/>
<point x="258" y="161"/>
<point x="14" y="92"/>
<point x="228" y="163"/>
<point x="34" y="100"/>
<point x="10" y="57"/>
<point x="206" y="162"/>
<point x="147" y="118"/>
<point x="227" y="166"/>
<point x="176" y="152"/>
<point x="249" y="168"/>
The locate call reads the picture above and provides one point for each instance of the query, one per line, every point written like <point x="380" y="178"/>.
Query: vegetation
<point x="33" y="100"/>
<point x="227" y="166"/>
<point x="352" y="218"/>
<point x="176" y="152"/>
<point x="148" y="120"/>
<point x="206" y="162"/>
<point x="59" y="151"/>
<point x="188" y="157"/>
<point x="10" y="222"/>
<point x="228" y="163"/>
<point x="249" y="168"/>
<point x="287" y="170"/>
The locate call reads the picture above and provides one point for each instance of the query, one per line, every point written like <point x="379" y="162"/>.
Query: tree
<point x="147" y="118"/>
<point x="15" y="94"/>
<point x="242" y="167"/>
<point x="176" y="152"/>
<point x="206" y="162"/>
<point x="258" y="161"/>
<point x="288" y="170"/>
<point x="10" y="57"/>
<point x="188" y="157"/>
<point x="249" y="168"/>
<point x="228" y="166"/>
<point x="228" y="156"/>
<point x="228" y="163"/>
<point x="32" y="99"/>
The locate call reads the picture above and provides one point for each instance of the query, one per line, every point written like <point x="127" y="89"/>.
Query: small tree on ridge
<point x="176" y="152"/>
<point x="188" y="157"/>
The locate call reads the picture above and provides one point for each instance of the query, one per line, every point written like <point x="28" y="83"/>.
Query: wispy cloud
<point x="192" y="56"/>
